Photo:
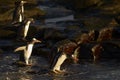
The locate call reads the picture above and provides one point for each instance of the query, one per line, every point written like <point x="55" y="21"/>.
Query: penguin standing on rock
<point x="27" y="51"/>
<point x="23" y="29"/>
<point x="18" y="14"/>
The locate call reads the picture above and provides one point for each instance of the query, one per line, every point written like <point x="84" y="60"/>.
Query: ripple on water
<point x="105" y="70"/>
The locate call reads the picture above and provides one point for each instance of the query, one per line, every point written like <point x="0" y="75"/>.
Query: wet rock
<point x="1" y="51"/>
<point x="37" y="13"/>
<point x="53" y="34"/>
<point x="50" y="34"/>
<point x="110" y="7"/>
<point x="117" y="19"/>
<point x="6" y="44"/>
<point x="29" y="7"/>
<point x="11" y="31"/>
<point x="116" y="33"/>
<point x="79" y="4"/>
<point x="6" y="33"/>
<point x="10" y="45"/>
<point x="66" y="23"/>
<point x="111" y="50"/>
<point x="41" y="52"/>
<point x="32" y="31"/>
<point x="76" y="36"/>
<point x="113" y="23"/>
<point x="72" y="28"/>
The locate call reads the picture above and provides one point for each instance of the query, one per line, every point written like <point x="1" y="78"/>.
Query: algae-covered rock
<point x="7" y="7"/>
<point x="53" y="34"/>
<point x="72" y="28"/>
<point x="32" y="31"/>
<point x="6" y="33"/>
<point x="78" y="4"/>
<point x="50" y="34"/>
<point x="41" y="52"/>
<point x="34" y="12"/>
<point x="1" y="51"/>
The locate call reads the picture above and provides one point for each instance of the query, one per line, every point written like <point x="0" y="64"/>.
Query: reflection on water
<point x="105" y="70"/>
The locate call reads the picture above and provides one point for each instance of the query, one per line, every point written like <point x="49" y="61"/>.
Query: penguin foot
<point x="21" y="63"/>
<point x="58" y="71"/>
<point x="28" y="64"/>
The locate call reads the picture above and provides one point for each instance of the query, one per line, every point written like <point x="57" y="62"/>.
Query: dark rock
<point x="7" y="34"/>
<point x="78" y="4"/>
<point x="1" y="51"/>
<point x="44" y="52"/>
<point x="50" y="34"/>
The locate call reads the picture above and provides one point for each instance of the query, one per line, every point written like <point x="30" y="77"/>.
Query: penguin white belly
<point x="20" y="18"/>
<point x="26" y="28"/>
<point x="22" y="9"/>
<point x="28" y="52"/>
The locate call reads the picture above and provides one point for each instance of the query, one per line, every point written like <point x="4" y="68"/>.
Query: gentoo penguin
<point x="27" y="50"/>
<point x="23" y="28"/>
<point x="18" y="13"/>
<point x="60" y="53"/>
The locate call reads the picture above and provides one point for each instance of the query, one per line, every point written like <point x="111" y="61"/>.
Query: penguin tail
<point x="19" y="48"/>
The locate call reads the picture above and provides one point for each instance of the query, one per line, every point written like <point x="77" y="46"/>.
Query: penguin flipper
<point x="20" y="48"/>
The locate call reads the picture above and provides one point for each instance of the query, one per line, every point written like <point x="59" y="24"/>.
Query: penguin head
<point x="23" y="2"/>
<point x="34" y="40"/>
<point x="30" y="19"/>
<point x="20" y="2"/>
<point x="27" y="20"/>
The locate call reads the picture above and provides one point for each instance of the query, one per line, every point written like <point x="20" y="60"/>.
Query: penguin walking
<point x="18" y="13"/>
<point x="67" y="50"/>
<point x="27" y="51"/>
<point x="23" y="28"/>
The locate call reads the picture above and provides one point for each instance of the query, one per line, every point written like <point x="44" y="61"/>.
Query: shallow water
<point x="105" y="70"/>
<point x="86" y="70"/>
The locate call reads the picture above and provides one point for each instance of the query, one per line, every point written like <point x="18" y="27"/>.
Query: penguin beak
<point x="38" y="41"/>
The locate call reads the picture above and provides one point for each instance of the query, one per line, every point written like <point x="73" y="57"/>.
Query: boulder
<point x="78" y="4"/>
<point x="7" y="33"/>
<point x="44" y="52"/>
<point x="1" y="51"/>
<point x="50" y="34"/>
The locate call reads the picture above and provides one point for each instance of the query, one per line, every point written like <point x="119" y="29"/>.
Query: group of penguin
<point x="59" y="53"/>
<point x="18" y="17"/>
<point x="24" y="23"/>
